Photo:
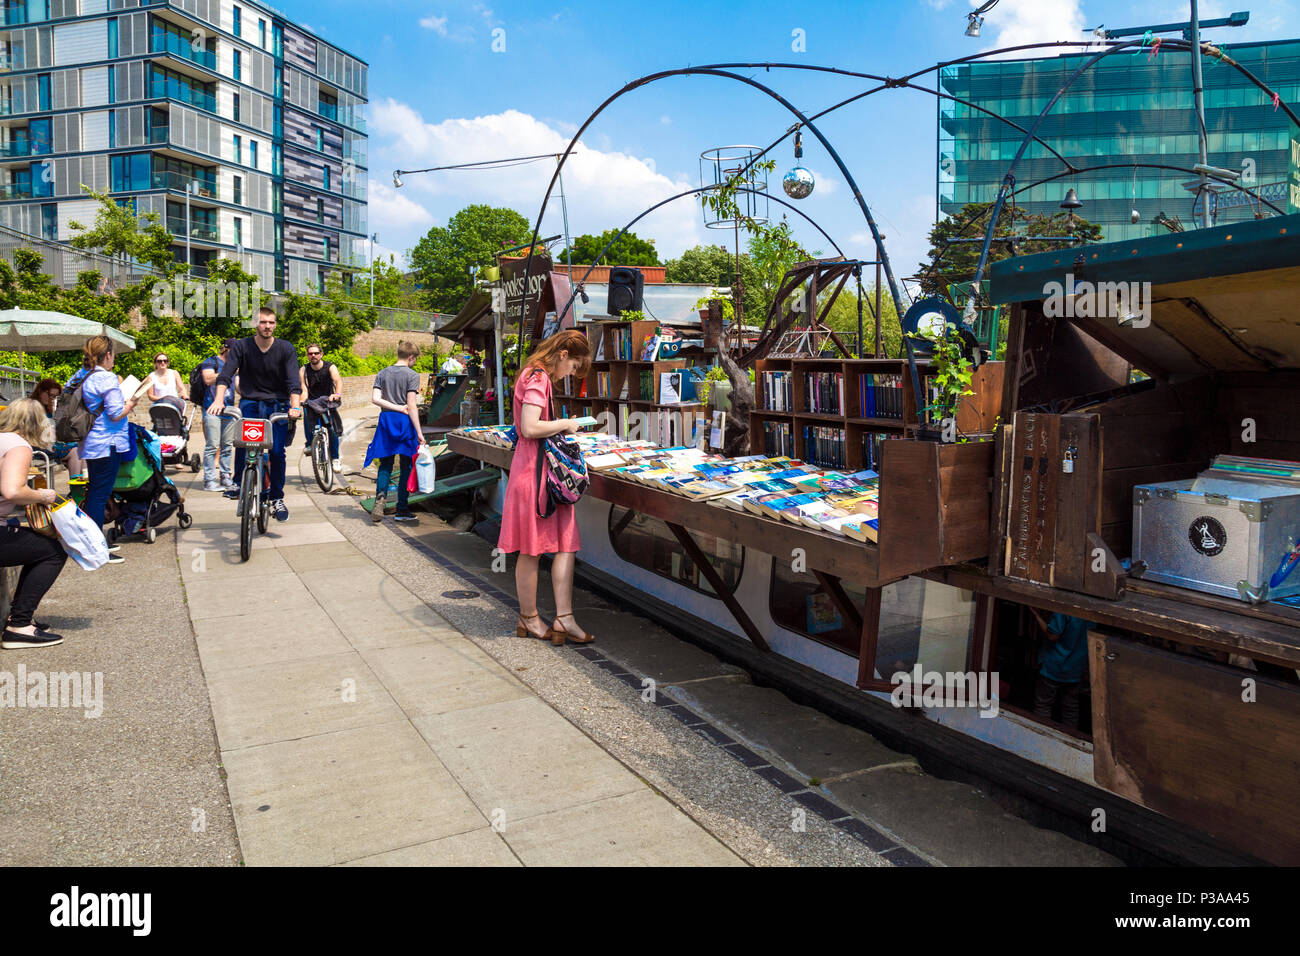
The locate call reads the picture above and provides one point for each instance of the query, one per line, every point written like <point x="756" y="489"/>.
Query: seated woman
<point x="165" y="383"/>
<point x="23" y="425"/>
<point x="47" y="392"/>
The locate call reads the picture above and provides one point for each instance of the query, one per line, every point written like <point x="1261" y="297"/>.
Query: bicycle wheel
<point x="263" y="509"/>
<point x="248" y="502"/>
<point x="320" y="459"/>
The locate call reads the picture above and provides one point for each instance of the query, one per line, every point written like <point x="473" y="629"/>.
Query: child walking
<point x="398" y="434"/>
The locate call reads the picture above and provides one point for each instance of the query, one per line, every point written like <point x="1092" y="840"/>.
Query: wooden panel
<point x="1173" y="733"/>
<point x="977" y="413"/>
<point x="909" y="507"/>
<point x="965" y="474"/>
<point x="1032" y="527"/>
<point x="1078" y="499"/>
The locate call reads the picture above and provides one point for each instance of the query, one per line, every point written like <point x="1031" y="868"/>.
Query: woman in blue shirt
<point x="108" y="438"/>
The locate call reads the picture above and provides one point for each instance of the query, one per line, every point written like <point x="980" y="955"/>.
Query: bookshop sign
<point x="1293" y="172"/>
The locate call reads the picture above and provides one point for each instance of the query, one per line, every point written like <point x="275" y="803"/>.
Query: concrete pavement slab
<point x="438" y="677"/>
<point x="482" y="847"/>
<point x="806" y="739"/>
<point x="249" y="640"/>
<point x="523" y="758"/>
<point x="236" y="595"/>
<point x="957" y="824"/>
<point x="343" y="796"/>
<point x="286" y="700"/>
<point x="634" y="829"/>
<point x="397" y="631"/>
<point x="209" y="564"/>
<point x="315" y="557"/>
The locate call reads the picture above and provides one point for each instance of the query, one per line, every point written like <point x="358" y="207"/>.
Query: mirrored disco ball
<point x="798" y="183"/>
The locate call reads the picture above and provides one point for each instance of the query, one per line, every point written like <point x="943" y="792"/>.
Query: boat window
<point x="799" y="603"/>
<point x="648" y="543"/>
<point x="924" y="622"/>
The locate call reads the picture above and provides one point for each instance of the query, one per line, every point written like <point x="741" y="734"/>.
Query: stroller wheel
<point x="151" y="535"/>
<point x="110" y="535"/>
<point x="185" y="520"/>
<point x="195" y="463"/>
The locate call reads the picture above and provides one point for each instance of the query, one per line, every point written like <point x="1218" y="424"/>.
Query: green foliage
<point x="632" y="315"/>
<point x="118" y="231"/>
<point x="843" y="318"/>
<point x="952" y="372"/>
<point x="728" y="310"/>
<point x="349" y="363"/>
<point x="630" y="250"/>
<point x="472" y="238"/>
<point x="957" y="262"/>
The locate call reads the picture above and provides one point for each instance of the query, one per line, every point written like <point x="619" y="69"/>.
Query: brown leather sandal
<point x="559" y="635"/>
<point x="521" y="630"/>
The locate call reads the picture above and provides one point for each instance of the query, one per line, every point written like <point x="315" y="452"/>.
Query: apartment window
<point x="235" y="104"/>
<point x="112" y="84"/>
<point x="178" y="86"/>
<point x="277" y="160"/>
<point x="43" y="90"/>
<point x="328" y="105"/>
<point x="50" y="220"/>
<point x="252" y="153"/>
<point x="237" y="191"/>
<point x="261" y="34"/>
<point x="320" y="140"/>
<point x="277" y="200"/>
<point x="238" y="68"/>
<point x="277" y="89"/>
<point x="112" y="38"/>
<point x="112" y="128"/>
<point x="320" y="217"/>
<point x="326" y="171"/>
<point x="239" y="231"/>
<point x="170" y="38"/>
<point x="277" y="40"/>
<point x="279" y="238"/>
<point x="239" y="147"/>
<point x="130" y="172"/>
<point x="320" y="275"/>
<point x="326" y="241"/>
<point x="235" y="17"/>
<point x="277" y="121"/>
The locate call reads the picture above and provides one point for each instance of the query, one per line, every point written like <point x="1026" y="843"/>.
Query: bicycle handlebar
<point x="232" y="412"/>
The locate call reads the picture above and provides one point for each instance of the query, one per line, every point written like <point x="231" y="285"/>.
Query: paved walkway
<point x="356" y="725"/>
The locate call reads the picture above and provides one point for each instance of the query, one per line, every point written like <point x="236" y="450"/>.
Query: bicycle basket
<point x="254" y="433"/>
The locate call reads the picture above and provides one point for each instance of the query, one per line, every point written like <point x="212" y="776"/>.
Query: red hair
<point x="547" y="354"/>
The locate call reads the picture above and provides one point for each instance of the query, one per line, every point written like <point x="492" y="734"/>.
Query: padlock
<point x="1067" y="466"/>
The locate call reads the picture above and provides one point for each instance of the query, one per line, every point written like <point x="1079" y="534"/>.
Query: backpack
<point x="198" y="390"/>
<point x="72" y="420"/>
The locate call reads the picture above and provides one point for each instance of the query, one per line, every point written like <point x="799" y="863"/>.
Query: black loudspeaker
<point x="626" y="288"/>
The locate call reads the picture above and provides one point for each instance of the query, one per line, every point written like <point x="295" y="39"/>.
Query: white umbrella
<point x="35" y="330"/>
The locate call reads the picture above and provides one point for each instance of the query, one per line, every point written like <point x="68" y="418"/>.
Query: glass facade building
<point x="1128" y="107"/>
<point x="256" y="119"/>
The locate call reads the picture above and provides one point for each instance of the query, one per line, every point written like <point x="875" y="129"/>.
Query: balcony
<point x="11" y="61"/>
<point x="158" y="89"/>
<point x="170" y="43"/>
<point x="180" y="182"/>
<point x="159" y="134"/>
<point x="16" y="148"/>
<point x="202" y="231"/>
<point x="16" y="191"/>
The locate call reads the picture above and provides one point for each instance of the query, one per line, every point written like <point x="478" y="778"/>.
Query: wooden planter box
<point x="934" y="504"/>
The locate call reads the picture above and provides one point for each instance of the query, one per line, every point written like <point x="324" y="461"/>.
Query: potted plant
<point x="951" y="375"/>
<point x="715" y="385"/>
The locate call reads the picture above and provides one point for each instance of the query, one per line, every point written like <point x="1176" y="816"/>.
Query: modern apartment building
<point x="1129" y="107"/>
<point x="256" y="119"/>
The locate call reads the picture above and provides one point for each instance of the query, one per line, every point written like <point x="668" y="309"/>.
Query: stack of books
<point x="881" y="396"/>
<point x="824" y="393"/>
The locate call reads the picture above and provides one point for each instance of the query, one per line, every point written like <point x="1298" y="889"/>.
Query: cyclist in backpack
<point x="108" y="439"/>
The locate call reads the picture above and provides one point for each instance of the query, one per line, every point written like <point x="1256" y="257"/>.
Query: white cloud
<point x="437" y="24"/>
<point x="1034" y="21"/>
<point x="604" y="187"/>
<point x="825" y="185"/>
<point x="665" y="120"/>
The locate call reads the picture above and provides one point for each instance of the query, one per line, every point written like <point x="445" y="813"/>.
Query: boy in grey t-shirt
<point x="397" y="434"/>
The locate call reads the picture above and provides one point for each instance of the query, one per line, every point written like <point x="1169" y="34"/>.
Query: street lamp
<point x="190" y="187"/>
<point x="373" y="237"/>
<point x="975" y="19"/>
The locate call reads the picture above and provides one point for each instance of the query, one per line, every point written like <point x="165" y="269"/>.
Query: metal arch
<point x="690" y="192"/>
<point x="706" y="71"/>
<point x="1009" y="178"/>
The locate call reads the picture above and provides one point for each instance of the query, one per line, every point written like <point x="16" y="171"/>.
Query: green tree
<point x="472" y="238"/>
<point x="843" y="318"/>
<point x="120" y="233"/>
<point x="714" y="265"/>
<point x="773" y="252"/>
<point x="956" y="261"/>
<point x="630" y="250"/>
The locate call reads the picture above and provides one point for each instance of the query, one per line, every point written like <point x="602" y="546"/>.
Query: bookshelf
<point x="620" y="384"/>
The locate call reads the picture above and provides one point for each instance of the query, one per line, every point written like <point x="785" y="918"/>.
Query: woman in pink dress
<point x="564" y="354"/>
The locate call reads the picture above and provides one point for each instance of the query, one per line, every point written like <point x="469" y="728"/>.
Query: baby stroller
<point x="174" y="433"/>
<point x="143" y="496"/>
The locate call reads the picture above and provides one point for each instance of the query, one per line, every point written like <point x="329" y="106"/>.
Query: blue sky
<point x="440" y="94"/>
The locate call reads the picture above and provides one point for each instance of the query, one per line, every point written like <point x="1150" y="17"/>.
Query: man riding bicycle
<point x="320" y="379"/>
<point x="268" y="383"/>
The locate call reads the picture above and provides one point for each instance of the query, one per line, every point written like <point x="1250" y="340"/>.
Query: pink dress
<point x="521" y="529"/>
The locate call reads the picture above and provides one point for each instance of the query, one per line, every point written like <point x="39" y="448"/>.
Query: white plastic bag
<point x="80" y="536"/>
<point x="425" y="470"/>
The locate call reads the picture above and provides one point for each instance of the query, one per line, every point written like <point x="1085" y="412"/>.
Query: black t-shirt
<point x="319" y="383"/>
<point x="270" y="376"/>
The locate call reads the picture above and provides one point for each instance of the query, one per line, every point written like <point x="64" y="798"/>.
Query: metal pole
<point x="857" y="274"/>
<point x="373" y="236"/>
<point x="879" y="350"/>
<point x="1199" y="99"/>
<point x="189" y="253"/>
<point x="564" y="209"/>
<point x="498" y="321"/>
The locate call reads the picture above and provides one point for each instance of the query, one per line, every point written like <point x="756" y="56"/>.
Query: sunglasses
<point x="313" y="353"/>
<point x="160" y="361"/>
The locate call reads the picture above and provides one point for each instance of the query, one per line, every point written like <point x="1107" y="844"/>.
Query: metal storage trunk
<point x="1210" y="533"/>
